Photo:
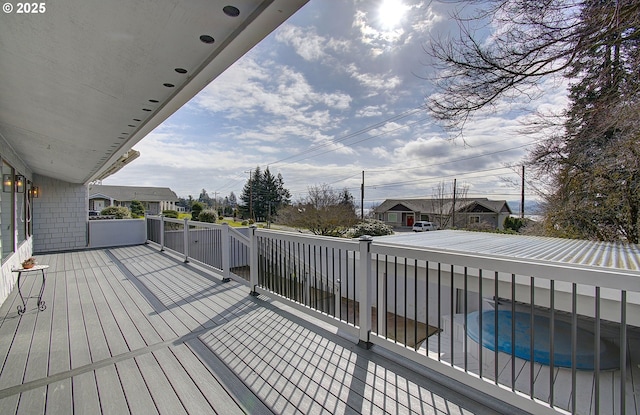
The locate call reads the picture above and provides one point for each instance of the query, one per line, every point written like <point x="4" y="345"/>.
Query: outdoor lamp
<point x="7" y="183"/>
<point x="20" y="183"/>
<point x="35" y="192"/>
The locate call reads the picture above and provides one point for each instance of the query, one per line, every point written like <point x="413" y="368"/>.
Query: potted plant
<point x="28" y="263"/>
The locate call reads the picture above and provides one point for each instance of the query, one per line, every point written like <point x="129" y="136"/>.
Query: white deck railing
<point x="218" y="246"/>
<point x="518" y="330"/>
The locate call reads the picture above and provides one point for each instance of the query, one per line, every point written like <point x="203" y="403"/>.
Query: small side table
<point x="41" y="305"/>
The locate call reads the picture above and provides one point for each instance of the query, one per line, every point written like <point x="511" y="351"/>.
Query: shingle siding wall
<point x="59" y="215"/>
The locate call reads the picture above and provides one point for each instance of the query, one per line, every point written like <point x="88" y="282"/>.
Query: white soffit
<point x="85" y="80"/>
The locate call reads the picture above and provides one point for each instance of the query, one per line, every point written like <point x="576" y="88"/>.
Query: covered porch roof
<point x="81" y="82"/>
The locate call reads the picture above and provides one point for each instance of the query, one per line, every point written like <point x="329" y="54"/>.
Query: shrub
<point x="208" y="215"/>
<point x="196" y="208"/>
<point x="119" y="212"/>
<point x="371" y="227"/>
<point x="170" y="214"/>
<point x="137" y="209"/>
<point x="513" y="223"/>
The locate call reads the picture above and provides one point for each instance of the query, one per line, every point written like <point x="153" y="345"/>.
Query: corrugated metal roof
<point x="569" y="251"/>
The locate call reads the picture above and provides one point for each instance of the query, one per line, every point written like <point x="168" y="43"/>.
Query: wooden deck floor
<point x="132" y="330"/>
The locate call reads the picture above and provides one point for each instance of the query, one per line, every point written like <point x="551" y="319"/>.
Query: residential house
<point x="154" y="199"/>
<point x="468" y="212"/>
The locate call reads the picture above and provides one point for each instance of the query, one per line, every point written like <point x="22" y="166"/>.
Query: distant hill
<point x="531" y="208"/>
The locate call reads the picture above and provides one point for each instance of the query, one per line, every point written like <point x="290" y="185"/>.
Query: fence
<point x="540" y="335"/>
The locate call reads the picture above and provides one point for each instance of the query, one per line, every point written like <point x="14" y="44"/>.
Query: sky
<point x="336" y="90"/>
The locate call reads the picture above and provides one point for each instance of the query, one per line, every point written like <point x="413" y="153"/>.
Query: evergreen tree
<point x="595" y="165"/>
<point x="137" y="209"/>
<point x="249" y="194"/>
<point x="233" y="201"/>
<point x="205" y="199"/>
<point x="196" y="208"/>
<point x="263" y="195"/>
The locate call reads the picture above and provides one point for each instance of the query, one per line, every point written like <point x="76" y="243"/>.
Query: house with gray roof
<point x="154" y="199"/>
<point x="464" y="213"/>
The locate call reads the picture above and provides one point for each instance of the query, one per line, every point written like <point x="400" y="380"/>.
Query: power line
<point x="351" y="135"/>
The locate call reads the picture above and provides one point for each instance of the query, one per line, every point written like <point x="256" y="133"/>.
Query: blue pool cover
<point x="585" y="348"/>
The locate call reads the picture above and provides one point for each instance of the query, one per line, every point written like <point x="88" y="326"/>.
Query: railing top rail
<point x="628" y="280"/>
<point x="234" y="231"/>
<point x="239" y="236"/>
<point x="340" y="243"/>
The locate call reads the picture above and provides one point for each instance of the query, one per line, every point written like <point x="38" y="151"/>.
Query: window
<point x="6" y="214"/>
<point x="392" y="217"/>
<point x="474" y="219"/>
<point x="15" y="211"/>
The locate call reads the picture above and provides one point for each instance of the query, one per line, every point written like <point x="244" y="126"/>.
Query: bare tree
<point x="589" y="161"/>
<point x="440" y="204"/>
<point x="445" y="206"/>
<point x="323" y="212"/>
<point x="533" y="39"/>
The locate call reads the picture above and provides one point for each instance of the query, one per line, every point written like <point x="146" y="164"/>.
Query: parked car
<point x="423" y="226"/>
<point x="94" y="213"/>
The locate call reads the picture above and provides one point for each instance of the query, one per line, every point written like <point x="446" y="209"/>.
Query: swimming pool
<point x="585" y="347"/>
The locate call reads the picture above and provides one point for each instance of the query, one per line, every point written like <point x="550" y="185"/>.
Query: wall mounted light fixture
<point x="20" y="183"/>
<point x="7" y="183"/>
<point x="35" y="192"/>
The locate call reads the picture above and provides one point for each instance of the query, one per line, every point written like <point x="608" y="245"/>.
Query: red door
<point x="409" y="220"/>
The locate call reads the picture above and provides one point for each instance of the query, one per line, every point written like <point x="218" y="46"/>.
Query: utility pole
<point x="362" y="198"/>
<point x="453" y="208"/>
<point x="522" y="197"/>
<point x="250" y="193"/>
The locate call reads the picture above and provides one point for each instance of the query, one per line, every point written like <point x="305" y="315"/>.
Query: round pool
<point x="585" y="350"/>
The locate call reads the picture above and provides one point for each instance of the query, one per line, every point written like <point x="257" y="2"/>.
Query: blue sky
<point x="337" y="89"/>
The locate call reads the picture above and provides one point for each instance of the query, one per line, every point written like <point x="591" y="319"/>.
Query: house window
<point x="474" y="219"/>
<point x="392" y="217"/>
<point x="6" y="214"/>
<point x="15" y="212"/>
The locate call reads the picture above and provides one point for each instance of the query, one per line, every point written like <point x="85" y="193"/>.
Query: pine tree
<point x="263" y="195"/>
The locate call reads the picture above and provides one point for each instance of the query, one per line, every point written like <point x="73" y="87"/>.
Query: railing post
<point x="253" y="261"/>
<point x="381" y="304"/>
<point x="186" y="239"/>
<point x="161" y="233"/>
<point x="146" y="229"/>
<point x="364" y="280"/>
<point x="226" y="252"/>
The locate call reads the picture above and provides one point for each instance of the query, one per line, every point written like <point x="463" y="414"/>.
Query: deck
<point x="133" y="330"/>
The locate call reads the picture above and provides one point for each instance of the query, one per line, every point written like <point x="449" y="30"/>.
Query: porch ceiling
<point x="83" y="81"/>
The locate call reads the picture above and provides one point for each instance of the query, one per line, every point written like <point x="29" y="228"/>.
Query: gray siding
<point x="59" y="215"/>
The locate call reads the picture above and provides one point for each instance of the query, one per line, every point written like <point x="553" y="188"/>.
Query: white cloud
<point x="375" y="82"/>
<point x="308" y="43"/>
<point x="371" y="111"/>
<point x="250" y="87"/>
